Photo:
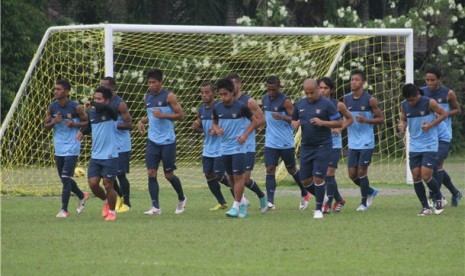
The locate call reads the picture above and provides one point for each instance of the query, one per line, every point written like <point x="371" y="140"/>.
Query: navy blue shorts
<point x="66" y="165"/>
<point x="425" y="159"/>
<point x="249" y="161"/>
<point x="443" y="151"/>
<point x="234" y="164"/>
<point x="213" y="165"/>
<point x="334" y="157"/>
<point x="123" y="162"/>
<point x="314" y="162"/>
<point x="105" y="168"/>
<point x="359" y="158"/>
<point x="155" y="153"/>
<point x="272" y="157"/>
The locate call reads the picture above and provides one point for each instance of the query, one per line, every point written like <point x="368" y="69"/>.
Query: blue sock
<point x="296" y="176"/>
<point x="448" y="183"/>
<point x="421" y="193"/>
<point x="75" y="189"/>
<point x="364" y="188"/>
<point x="270" y="187"/>
<point x="124" y="183"/>
<point x="65" y="193"/>
<point x="216" y="190"/>
<point x="224" y="180"/>
<point x="117" y="188"/>
<point x="434" y="187"/>
<point x="330" y="188"/>
<point x="153" y="191"/>
<point x="311" y="189"/>
<point x="320" y="195"/>
<point x="176" y="183"/>
<point x="357" y="182"/>
<point x="252" y="185"/>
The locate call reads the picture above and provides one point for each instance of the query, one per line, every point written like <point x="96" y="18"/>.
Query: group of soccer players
<point x="229" y="128"/>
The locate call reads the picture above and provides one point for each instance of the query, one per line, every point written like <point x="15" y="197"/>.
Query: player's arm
<point x="289" y="107"/>
<point x="257" y="113"/>
<point x="178" y="113"/>
<point x="127" y="119"/>
<point x="141" y="125"/>
<point x="378" y="118"/>
<point x="348" y="118"/>
<point x="48" y="119"/>
<point x="253" y="124"/>
<point x="454" y="104"/>
<point x="82" y="116"/>
<point x="215" y="127"/>
<point x="441" y="115"/>
<point x="197" y="124"/>
<point x="334" y="121"/>
<point x="402" y="122"/>
<point x="295" y="119"/>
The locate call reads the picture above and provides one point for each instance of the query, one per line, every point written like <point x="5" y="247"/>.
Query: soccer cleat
<point x="438" y="208"/>
<point x="444" y="202"/>
<point x="243" y="213"/>
<point x="362" y="208"/>
<point x="317" y="214"/>
<point x="181" y="206"/>
<point x="233" y="212"/>
<point x="325" y="199"/>
<point x="425" y="212"/>
<point x="119" y="202"/>
<point x="270" y="206"/>
<point x="338" y="205"/>
<point x="454" y="202"/>
<point x="304" y="202"/>
<point x="82" y="202"/>
<point x="153" y="211"/>
<point x="123" y="209"/>
<point x="62" y="214"/>
<point x="263" y="205"/>
<point x="105" y="209"/>
<point x="327" y="209"/>
<point x="371" y="197"/>
<point x="219" y="207"/>
<point x="245" y="201"/>
<point x="110" y="216"/>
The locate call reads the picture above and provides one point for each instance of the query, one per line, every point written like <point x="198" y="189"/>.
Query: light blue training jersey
<point x="123" y="135"/>
<point x="417" y="116"/>
<point x="337" y="138"/>
<point x="279" y="133"/>
<point x="64" y="138"/>
<point x="104" y="141"/>
<point x="233" y="120"/>
<point x="440" y="96"/>
<point x="161" y="131"/>
<point x="360" y="135"/>
<point x="211" y="143"/>
<point x="250" y="143"/>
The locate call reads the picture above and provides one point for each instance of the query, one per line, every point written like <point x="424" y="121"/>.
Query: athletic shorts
<point x="155" y="153"/>
<point x="66" y="165"/>
<point x="105" y="168"/>
<point x="249" y="161"/>
<point x="272" y="157"/>
<point x="443" y="151"/>
<point x="359" y="158"/>
<point x="213" y="165"/>
<point x="234" y="164"/>
<point x="123" y="162"/>
<point x="314" y="162"/>
<point x="334" y="157"/>
<point x="425" y="159"/>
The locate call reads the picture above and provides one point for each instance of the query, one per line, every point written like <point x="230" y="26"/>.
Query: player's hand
<point x="426" y="126"/>
<point x="335" y="131"/>
<point x="70" y="123"/>
<point x="316" y="121"/>
<point x="295" y="124"/>
<point x="212" y="132"/>
<point x="242" y="138"/>
<point x="79" y="136"/>
<point x="141" y="127"/>
<point x="195" y="125"/>
<point x="360" y="118"/>
<point x="58" y="118"/>
<point x="401" y="125"/>
<point x="157" y="113"/>
<point x="219" y="131"/>
<point x="277" y="116"/>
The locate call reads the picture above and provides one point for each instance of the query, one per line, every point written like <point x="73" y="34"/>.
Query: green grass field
<point x="388" y="239"/>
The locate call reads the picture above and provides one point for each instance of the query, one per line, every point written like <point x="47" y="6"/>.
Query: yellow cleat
<point x="123" y="209"/>
<point x="119" y="203"/>
<point x="219" y="207"/>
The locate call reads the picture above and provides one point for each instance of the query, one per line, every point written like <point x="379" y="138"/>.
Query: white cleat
<point x="317" y="214"/>
<point x="153" y="211"/>
<point x="181" y="206"/>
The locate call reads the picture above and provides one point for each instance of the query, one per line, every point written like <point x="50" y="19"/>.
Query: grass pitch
<point x="388" y="239"/>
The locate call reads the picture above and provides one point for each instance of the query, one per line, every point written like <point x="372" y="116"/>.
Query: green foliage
<point x="23" y="25"/>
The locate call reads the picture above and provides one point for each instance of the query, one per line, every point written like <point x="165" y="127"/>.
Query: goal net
<point x="190" y="56"/>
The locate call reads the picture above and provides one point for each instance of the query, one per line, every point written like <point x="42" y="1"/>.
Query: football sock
<point x="311" y="189"/>
<point x="448" y="183"/>
<point x="216" y="190"/>
<point x="65" y="193"/>
<point x="330" y="188"/>
<point x="296" y="176"/>
<point x="433" y="186"/>
<point x="421" y="193"/>
<point x="252" y="185"/>
<point x="117" y="188"/>
<point x="153" y="191"/>
<point x="224" y="180"/>
<point x="236" y="204"/>
<point x="75" y="189"/>
<point x="319" y="195"/>
<point x="439" y="175"/>
<point x="125" y="188"/>
<point x="357" y="182"/>
<point x="176" y="183"/>
<point x="271" y="187"/>
<point x="337" y="195"/>
<point x="364" y="188"/>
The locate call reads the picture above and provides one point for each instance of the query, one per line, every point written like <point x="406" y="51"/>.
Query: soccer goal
<point x="190" y="56"/>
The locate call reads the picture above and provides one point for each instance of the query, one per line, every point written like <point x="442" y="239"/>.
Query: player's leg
<point x="306" y="169"/>
<point x="288" y="157"/>
<point x="109" y="170"/>
<point x="212" y="181"/>
<point x="152" y="161"/>
<point x="169" y="165"/>
<point x="428" y="164"/>
<point x="331" y="185"/>
<point x="235" y="168"/>
<point x="123" y="169"/>
<point x="367" y="192"/>
<point x="250" y="183"/>
<point x="415" y="168"/>
<point x="271" y="161"/>
<point x="66" y="187"/>
<point x="320" y="167"/>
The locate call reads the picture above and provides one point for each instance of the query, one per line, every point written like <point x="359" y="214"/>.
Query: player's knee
<point x="209" y="176"/>
<point x="169" y="175"/>
<point x="108" y="184"/>
<point x="152" y="173"/>
<point x="271" y="169"/>
<point x="292" y="170"/>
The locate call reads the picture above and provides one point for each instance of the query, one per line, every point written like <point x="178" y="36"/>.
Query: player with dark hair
<point x="212" y="162"/>
<point x="418" y="112"/>
<point x="163" y="109"/>
<point x="250" y="144"/>
<point x="366" y="112"/>
<point x="317" y="116"/>
<point x="124" y="124"/>
<point x="66" y="117"/>
<point x="104" y="157"/>
<point x="447" y="99"/>
<point x="326" y="87"/>
<point x="279" y="140"/>
<point x="229" y="122"/>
